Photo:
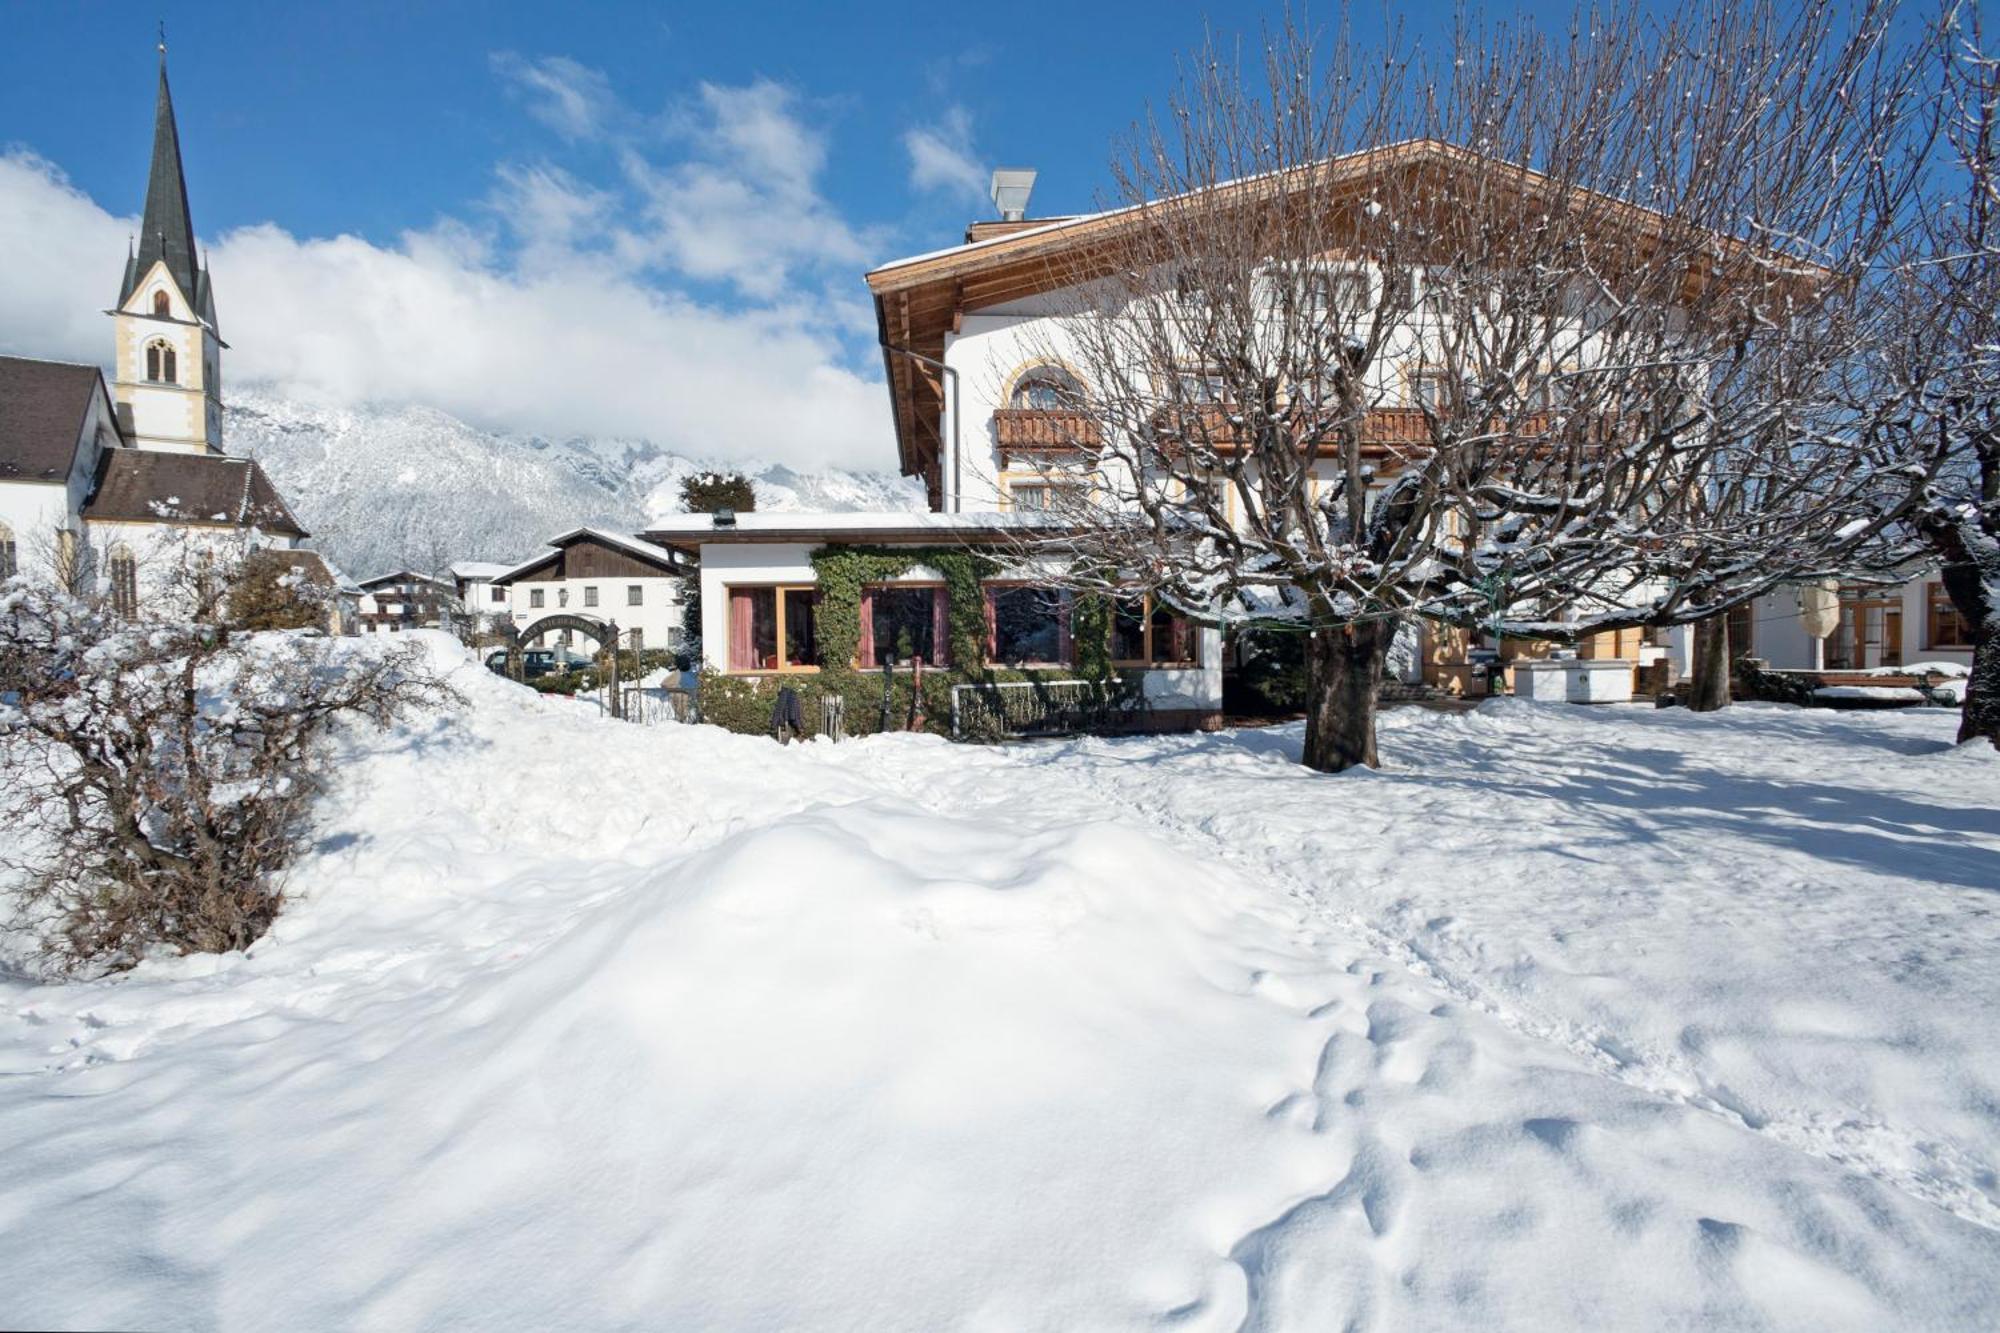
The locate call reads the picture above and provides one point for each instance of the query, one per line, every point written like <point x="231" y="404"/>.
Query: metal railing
<point x="651" y="705"/>
<point x="1038" y="707"/>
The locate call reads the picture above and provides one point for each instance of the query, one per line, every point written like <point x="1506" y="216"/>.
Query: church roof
<point x="166" y="233"/>
<point x="43" y="405"/>
<point x="151" y="486"/>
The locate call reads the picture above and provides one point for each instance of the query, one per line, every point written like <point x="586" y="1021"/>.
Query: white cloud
<point x="573" y="100"/>
<point x="743" y="206"/>
<point x="942" y="157"/>
<point x="562" y="336"/>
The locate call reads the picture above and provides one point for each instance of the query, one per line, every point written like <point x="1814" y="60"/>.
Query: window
<point x="1046" y="389"/>
<point x="1046" y="496"/>
<point x="69" y="561"/>
<point x="9" y="557"/>
<point x="1944" y="627"/>
<point x="160" y="368"/>
<point x="1870" y="633"/>
<point x="1341" y="295"/>
<point x="772" y="629"/>
<point x="496" y="594"/>
<point x="590" y="596"/>
<point x="1027" y="625"/>
<point x="1201" y="386"/>
<point x="161" y="307"/>
<point x="1145" y="631"/>
<point x="902" y="623"/>
<point x="635" y="594"/>
<point x="536" y="598"/>
<point x="1742" y="624"/>
<point x="124" y="571"/>
<point x="1430" y="389"/>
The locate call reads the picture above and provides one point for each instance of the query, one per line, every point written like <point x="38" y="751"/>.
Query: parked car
<point x="535" y="662"/>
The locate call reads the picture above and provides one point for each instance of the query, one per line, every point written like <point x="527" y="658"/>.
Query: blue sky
<point x="603" y="218"/>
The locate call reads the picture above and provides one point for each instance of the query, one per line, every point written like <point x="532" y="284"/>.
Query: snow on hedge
<point x="1595" y="1018"/>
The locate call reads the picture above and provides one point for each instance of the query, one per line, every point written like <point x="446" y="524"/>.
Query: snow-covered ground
<point x="1569" y="1018"/>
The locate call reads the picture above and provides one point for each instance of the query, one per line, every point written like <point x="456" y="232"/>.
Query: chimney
<point x="1011" y="188"/>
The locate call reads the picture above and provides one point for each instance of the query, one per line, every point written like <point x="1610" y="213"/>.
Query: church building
<point x="119" y="487"/>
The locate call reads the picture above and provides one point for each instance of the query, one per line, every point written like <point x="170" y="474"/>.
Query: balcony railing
<point x="1382" y="428"/>
<point x="1043" y="430"/>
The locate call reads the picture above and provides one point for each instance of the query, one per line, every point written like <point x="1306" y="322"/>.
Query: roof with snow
<point x="152" y="486"/>
<point x="43" y="405"/>
<point x="400" y="576"/>
<point x="667" y="561"/>
<point x="477" y="569"/>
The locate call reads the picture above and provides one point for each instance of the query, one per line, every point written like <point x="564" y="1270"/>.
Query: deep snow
<point x="1570" y="1018"/>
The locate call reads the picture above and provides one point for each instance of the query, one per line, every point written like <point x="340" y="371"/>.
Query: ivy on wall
<point x="843" y="571"/>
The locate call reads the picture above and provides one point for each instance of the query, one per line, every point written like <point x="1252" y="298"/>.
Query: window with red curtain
<point x="904" y="623"/>
<point x="753" y="629"/>
<point x="772" y="629"/>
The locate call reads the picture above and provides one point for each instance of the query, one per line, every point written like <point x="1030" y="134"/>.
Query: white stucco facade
<point x="1880" y="627"/>
<point x="648" y="607"/>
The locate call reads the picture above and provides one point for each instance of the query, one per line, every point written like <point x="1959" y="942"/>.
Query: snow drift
<point x="581" y="1024"/>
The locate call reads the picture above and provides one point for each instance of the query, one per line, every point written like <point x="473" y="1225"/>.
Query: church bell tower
<point x="168" y="384"/>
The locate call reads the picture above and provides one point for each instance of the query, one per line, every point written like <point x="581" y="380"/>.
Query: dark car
<point x="535" y="662"/>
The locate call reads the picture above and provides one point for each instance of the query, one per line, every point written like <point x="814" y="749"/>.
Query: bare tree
<point x="1941" y="363"/>
<point x="1546" y="342"/>
<point x="158" y="770"/>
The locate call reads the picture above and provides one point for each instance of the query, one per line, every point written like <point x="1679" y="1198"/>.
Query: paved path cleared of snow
<point x="1570" y="1018"/>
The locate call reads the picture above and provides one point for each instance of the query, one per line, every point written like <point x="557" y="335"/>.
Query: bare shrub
<point x="155" y="775"/>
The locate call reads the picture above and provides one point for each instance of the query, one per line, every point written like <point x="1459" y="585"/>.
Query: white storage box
<point x="1542" y="681"/>
<point x="1602" y="682"/>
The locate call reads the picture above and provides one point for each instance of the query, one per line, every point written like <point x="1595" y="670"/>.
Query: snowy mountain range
<point x="386" y="487"/>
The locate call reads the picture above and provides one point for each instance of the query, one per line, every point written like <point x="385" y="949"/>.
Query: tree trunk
<point x="1972" y="597"/>
<point x="1711" y="665"/>
<point x="1343" y="673"/>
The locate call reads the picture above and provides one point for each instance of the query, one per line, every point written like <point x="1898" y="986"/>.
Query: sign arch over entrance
<point x="598" y="630"/>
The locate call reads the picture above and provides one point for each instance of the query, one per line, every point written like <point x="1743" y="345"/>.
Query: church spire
<point x="167" y="232"/>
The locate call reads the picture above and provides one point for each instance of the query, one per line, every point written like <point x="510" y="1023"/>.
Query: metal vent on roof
<point x="1011" y="188"/>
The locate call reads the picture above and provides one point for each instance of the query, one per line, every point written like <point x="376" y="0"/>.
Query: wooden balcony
<point x="1034" y="430"/>
<point x="1384" y="429"/>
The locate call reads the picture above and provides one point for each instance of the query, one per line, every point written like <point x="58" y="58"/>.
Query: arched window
<point x="1046" y="389"/>
<point x="9" y="561"/>
<point x="160" y="363"/>
<point x="124" y="571"/>
<point x="161" y="307"/>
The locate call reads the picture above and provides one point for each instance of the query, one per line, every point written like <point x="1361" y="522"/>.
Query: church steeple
<point x="167" y="232"/>
<point x="168" y="388"/>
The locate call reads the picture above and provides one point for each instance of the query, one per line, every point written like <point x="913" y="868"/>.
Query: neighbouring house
<point x="1899" y="625"/>
<point x="921" y="582"/>
<point x="487" y="605"/>
<point x="125" y="488"/>
<point x="402" y="600"/>
<point x="591" y="581"/>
